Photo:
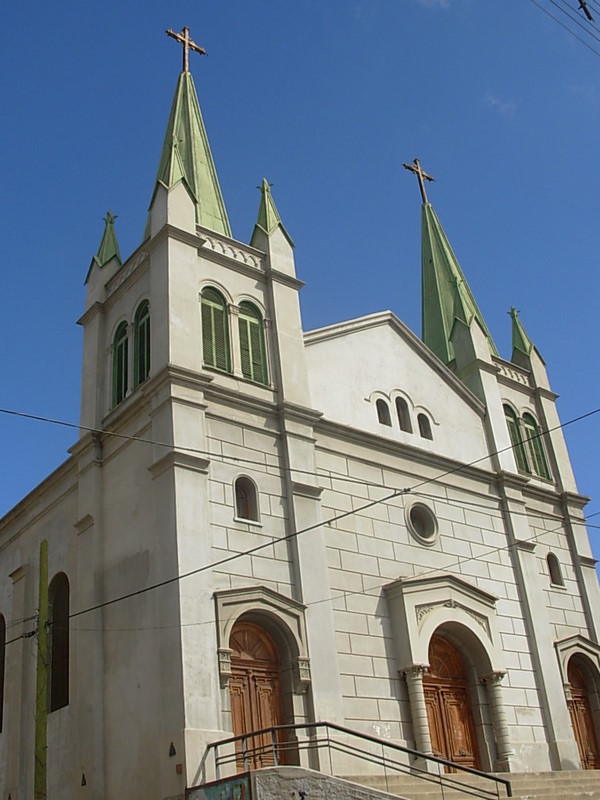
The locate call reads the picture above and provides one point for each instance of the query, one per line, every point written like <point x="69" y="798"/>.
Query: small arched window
<point x="252" y="343"/>
<point x="58" y="640"/>
<point x="516" y="440"/>
<point x="120" y="364"/>
<point x="2" y="661"/>
<point x="403" y="415"/>
<point x="141" y="344"/>
<point x="424" y="426"/>
<point x="536" y="448"/>
<point x="383" y="412"/>
<point x="554" y="570"/>
<point x="246" y="499"/>
<point x="215" y="330"/>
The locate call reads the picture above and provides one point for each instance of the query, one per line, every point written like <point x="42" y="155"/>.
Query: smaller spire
<point x="520" y="340"/>
<point x="109" y="246"/>
<point x="268" y="219"/>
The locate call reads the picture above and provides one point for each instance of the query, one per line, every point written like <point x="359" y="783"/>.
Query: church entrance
<point x="451" y="727"/>
<point x="582" y="719"/>
<point x="255" y="689"/>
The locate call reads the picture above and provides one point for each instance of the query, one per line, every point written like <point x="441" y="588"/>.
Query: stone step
<point x="565" y="785"/>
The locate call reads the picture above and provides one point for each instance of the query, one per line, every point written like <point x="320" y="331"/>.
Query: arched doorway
<point x="449" y="714"/>
<point x="255" y="690"/>
<point x="582" y="719"/>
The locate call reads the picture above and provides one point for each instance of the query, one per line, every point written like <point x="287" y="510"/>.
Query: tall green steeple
<point x="109" y="247"/>
<point x="268" y="219"/>
<point x="186" y="156"/>
<point x="445" y="291"/>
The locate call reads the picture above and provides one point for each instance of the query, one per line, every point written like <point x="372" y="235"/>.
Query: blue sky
<point x="327" y="100"/>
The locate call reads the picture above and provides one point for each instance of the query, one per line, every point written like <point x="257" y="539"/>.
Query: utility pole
<point x="41" y="696"/>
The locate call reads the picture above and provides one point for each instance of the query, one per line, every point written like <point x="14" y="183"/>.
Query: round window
<point x="422" y="523"/>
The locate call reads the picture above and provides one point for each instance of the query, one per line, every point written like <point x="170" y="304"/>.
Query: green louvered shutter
<point x="120" y="364"/>
<point x="215" y="338"/>
<point x="516" y="440"/>
<point x="141" y="355"/>
<point x="536" y="448"/>
<point x="252" y="344"/>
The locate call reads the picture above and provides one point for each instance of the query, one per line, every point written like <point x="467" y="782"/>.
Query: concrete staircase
<point x="566" y="785"/>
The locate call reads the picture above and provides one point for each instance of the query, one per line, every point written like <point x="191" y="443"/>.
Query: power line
<point x="287" y="537"/>
<point x="569" y="30"/>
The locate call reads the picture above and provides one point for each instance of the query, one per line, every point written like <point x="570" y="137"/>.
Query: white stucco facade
<point x="349" y="580"/>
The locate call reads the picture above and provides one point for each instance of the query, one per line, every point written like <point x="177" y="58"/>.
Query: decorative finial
<point x="422" y="177"/>
<point x="188" y="44"/>
<point x="109" y="218"/>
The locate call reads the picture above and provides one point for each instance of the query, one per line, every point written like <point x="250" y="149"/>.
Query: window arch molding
<point x="555" y="570"/>
<point x="246" y="499"/>
<point x="425" y="423"/>
<point x="404" y="411"/>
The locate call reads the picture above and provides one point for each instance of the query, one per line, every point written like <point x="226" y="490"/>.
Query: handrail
<point x="279" y="746"/>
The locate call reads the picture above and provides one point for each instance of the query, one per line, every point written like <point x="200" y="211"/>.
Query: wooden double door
<point x="582" y="719"/>
<point x="255" y="690"/>
<point x="451" y="727"/>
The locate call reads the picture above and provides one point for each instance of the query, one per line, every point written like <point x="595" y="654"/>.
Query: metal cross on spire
<point x="422" y="177"/>
<point x="188" y="44"/>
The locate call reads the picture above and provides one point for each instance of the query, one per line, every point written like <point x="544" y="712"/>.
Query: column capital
<point x="414" y="671"/>
<point x="492" y="678"/>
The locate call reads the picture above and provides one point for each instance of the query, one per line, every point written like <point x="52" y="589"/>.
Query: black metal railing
<point x="281" y="745"/>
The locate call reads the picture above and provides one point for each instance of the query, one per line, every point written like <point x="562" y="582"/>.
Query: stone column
<point x="414" y="682"/>
<point x="504" y="749"/>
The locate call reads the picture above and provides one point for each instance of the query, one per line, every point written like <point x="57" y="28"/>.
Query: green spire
<point x="109" y="247"/>
<point x="186" y="157"/>
<point x="268" y="217"/>
<point x="445" y="292"/>
<point x="520" y="340"/>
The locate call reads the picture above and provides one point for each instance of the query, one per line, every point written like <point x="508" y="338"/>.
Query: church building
<point x="260" y="525"/>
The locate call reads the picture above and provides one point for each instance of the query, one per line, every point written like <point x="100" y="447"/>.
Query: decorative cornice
<point x="95" y="309"/>
<point x="526" y="545"/>
<point x="510" y="374"/>
<point x="85" y="523"/>
<point x="178" y="458"/>
<point x="307" y="490"/>
<point x="231" y="250"/>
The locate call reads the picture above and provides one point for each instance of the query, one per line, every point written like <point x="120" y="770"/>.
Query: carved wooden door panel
<point x="451" y="727"/>
<point x="582" y="719"/>
<point x="255" y="691"/>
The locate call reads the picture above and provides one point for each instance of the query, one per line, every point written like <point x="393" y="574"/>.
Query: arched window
<point x="58" y="641"/>
<point x="215" y="330"/>
<point x="514" y="431"/>
<point x="246" y="500"/>
<point x="554" y="570"/>
<point x="2" y="660"/>
<point x="141" y="344"/>
<point x="252" y="344"/>
<point x="424" y="426"/>
<point x="120" y="367"/>
<point x="536" y="448"/>
<point x="383" y="412"/>
<point x="403" y="415"/>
